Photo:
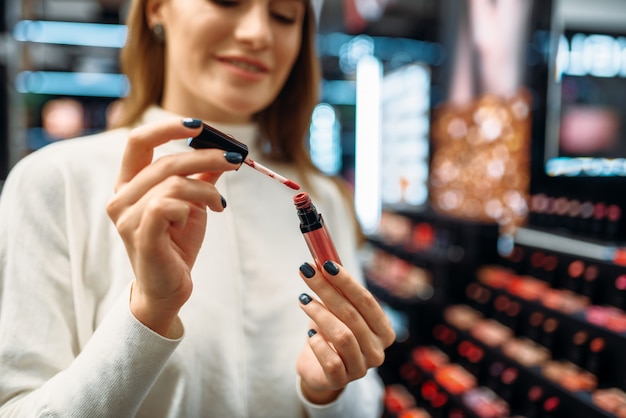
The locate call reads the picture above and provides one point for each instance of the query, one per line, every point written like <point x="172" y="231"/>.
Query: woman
<point x="170" y="311"/>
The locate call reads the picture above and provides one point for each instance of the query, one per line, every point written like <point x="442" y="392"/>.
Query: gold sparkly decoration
<point x="480" y="168"/>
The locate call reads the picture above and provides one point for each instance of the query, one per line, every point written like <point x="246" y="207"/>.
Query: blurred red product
<point x="429" y="358"/>
<point x="455" y="379"/>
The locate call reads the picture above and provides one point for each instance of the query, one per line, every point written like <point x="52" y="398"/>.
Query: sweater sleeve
<point x="362" y="398"/>
<point x="110" y="377"/>
<point x="45" y="370"/>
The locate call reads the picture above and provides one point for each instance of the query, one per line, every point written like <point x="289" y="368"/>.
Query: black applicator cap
<point x="210" y="137"/>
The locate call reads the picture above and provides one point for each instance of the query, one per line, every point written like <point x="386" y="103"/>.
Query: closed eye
<point x="226" y="3"/>
<point x="284" y="18"/>
<point x="287" y="11"/>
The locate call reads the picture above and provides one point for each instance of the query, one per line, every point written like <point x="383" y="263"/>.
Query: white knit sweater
<point x="69" y="346"/>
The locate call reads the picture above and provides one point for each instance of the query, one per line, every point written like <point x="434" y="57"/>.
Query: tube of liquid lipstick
<point x="314" y="231"/>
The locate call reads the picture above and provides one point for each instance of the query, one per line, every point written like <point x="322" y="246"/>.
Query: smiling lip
<point x="245" y="66"/>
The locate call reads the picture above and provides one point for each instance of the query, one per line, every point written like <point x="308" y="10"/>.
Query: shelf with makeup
<point x="583" y="288"/>
<point x="463" y="373"/>
<point x="415" y="264"/>
<point x="438" y="387"/>
<point x="429" y="380"/>
<point x="520" y="372"/>
<point x="452" y="376"/>
<point x="414" y="253"/>
<point x="546" y="331"/>
<point x="544" y="326"/>
<point x="586" y="219"/>
<point x="577" y="222"/>
<point x="400" y="403"/>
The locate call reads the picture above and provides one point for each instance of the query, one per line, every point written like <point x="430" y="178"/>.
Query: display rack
<point x="574" y="320"/>
<point x="64" y="61"/>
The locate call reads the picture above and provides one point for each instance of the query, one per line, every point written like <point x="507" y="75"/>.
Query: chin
<point x="247" y="110"/>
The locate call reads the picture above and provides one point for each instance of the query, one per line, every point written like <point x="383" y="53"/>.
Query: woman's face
<point x="227" y="59"/>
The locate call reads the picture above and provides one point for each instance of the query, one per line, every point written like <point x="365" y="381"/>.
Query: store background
<point x="501" y="262"/>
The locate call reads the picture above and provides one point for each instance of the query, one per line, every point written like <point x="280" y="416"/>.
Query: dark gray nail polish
<point x="192" y="123"/>
<point x="233" y="157"/>
<point x="307" y="270"/>
<point x="331" y="268"/>
<point x="224" y="204"/>
<point x="311" y="332"/>
<point x="305" y="299"/>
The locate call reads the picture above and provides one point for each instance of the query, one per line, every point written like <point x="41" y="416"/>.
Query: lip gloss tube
<point x="314" y="231"/>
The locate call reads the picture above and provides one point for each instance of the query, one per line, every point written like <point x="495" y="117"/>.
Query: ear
<point x="154" y="12"/>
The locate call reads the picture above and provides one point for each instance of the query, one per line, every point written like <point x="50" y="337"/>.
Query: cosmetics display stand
<point x="535" y="333"/>
<point x="418" y="257"/>
<point x="63" y="71"/>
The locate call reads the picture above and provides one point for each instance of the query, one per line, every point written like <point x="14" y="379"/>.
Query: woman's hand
<point x="348" y="335"/>
<point x="159" y="209"/>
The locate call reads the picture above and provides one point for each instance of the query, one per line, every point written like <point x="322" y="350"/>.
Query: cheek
<point x="288" y="53"/>
<point x="189" y="56"/>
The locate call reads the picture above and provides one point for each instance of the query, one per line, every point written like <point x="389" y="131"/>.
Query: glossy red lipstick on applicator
<point x="314" y="231"/>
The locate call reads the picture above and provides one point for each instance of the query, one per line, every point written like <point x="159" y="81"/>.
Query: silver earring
<point x="159" y="32"/>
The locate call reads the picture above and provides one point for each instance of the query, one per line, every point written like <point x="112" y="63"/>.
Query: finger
<point x="334" y="299"/>
<point x="331" y="363"/>
<point x="358" y="296"/>
<point x="187" y="190"/>
<point x="163" y="214"/>
<point x="210" y="163"/>
<point x="335" y="332"/>
<point x="142" y="141"/>
<point x="209" y="176"/>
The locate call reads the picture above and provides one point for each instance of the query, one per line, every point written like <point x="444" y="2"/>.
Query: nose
<point x="254" y="27"/>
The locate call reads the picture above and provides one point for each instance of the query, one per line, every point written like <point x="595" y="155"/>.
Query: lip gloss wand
<point x="211" y="137"/>
<point x="259" y="167"/>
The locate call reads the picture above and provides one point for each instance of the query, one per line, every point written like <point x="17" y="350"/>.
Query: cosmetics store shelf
<point x="426" y="295"/>
<point x="428" y="213"/>
<point x="576" y="320"/>
<point x="424" y="258"/>
<point x="416" y="378"/>
<point x="405" y="278"/>
<point x="386" y="296"/>
<point x="429" y="234"/>
<point x="575" y="404"/>
<point x="614" y="343"/>
<point x="593" y="249"/>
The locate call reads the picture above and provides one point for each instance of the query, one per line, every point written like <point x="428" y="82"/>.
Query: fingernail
<point x="311" y="332"/>
<point x="307" y="270"/>
<point x="192" y="123"/>
<point x="224" y="204"/>
<point x="233" y="157"/>
<point x="331" y="268"/>
<point x="305" y="299"/>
